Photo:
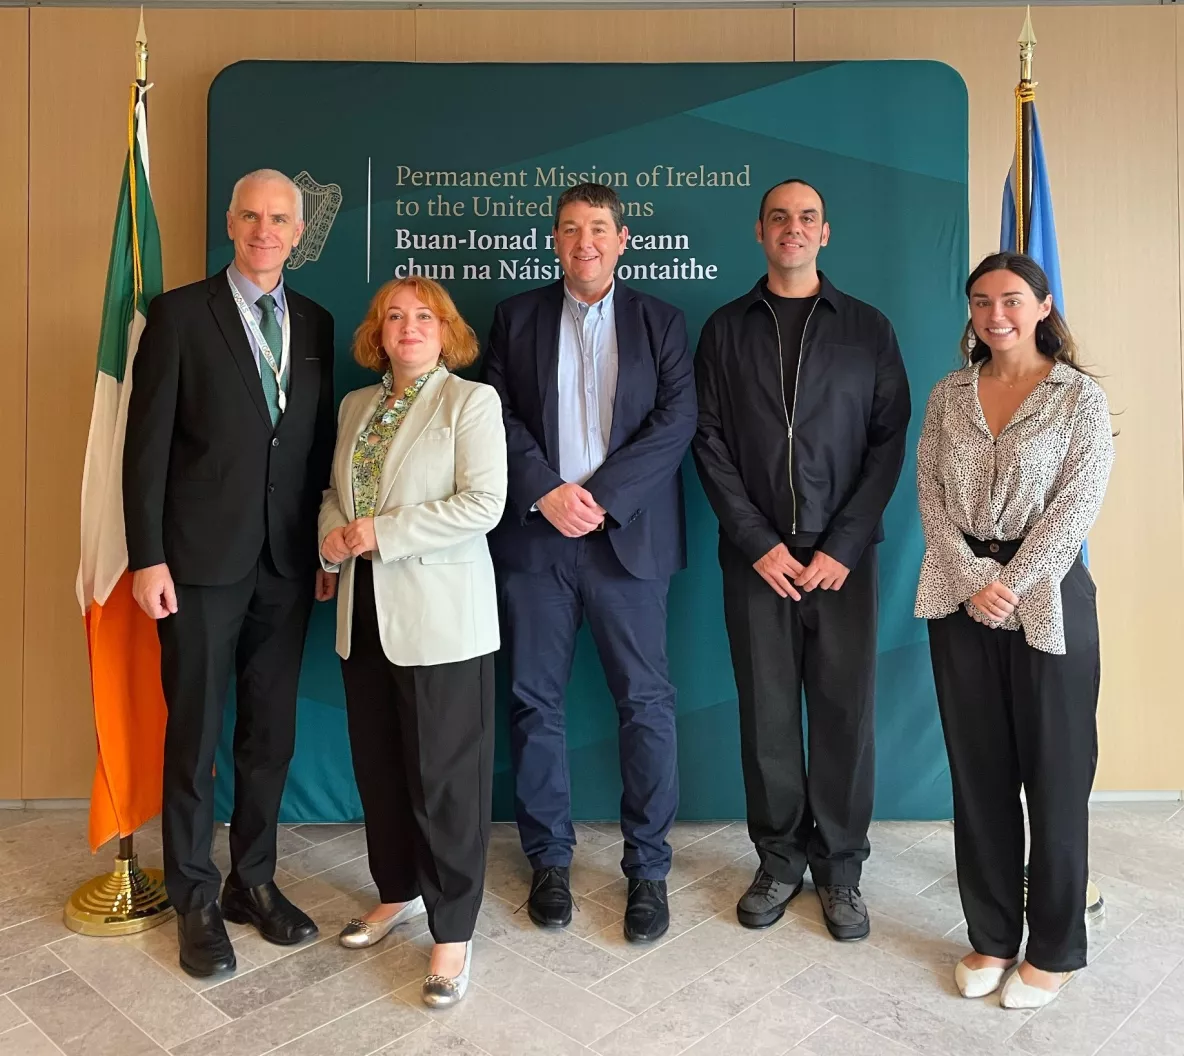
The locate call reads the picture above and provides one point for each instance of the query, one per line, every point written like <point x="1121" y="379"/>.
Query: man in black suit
<point x="230" y="434"/>
<point x="598" y="396"/>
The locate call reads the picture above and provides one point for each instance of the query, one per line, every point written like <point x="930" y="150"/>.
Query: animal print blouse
<point x="1041" y="480"/>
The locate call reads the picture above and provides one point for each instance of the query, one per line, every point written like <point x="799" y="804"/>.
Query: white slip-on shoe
<point x="358" y="934"/>
<point x="1018" y="994"/>
<point x="978" y="982"/>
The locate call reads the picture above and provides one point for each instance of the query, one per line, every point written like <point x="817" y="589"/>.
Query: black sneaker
<point x="549" y="904"/>
<point x="844" y="911"/>
<point x="647" y="914"/>
<point x="763" y="904"/>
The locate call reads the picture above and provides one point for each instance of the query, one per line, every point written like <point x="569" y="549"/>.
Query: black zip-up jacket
<point x="818" y="473"/>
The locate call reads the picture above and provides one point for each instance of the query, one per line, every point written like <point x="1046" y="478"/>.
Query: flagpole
<point x="1025" y="100"/>
<point x="1025" y="126"/>
<point x="128" y="899"/>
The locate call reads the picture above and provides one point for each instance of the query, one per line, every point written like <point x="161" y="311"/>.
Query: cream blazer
<point x="443" y="487"/>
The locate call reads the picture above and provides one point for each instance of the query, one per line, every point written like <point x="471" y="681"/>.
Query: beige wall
<point x="1113" y="153"/>
<point x="14" y="261"/>
<point x="1114" y="165"/>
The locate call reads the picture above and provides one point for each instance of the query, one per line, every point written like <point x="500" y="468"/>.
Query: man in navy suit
<point x="598" y="394"/>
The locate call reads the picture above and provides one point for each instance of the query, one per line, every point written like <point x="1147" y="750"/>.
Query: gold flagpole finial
<point x="1027" y="43"/>
<point x="141" y="50"/>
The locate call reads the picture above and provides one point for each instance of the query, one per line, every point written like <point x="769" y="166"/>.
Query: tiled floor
<point x="709" y="988"/>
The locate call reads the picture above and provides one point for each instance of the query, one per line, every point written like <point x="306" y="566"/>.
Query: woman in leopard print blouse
<point x="1011" y="470"/>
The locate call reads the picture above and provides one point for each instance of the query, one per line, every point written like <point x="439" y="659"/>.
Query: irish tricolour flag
<point x="124" y="652"/>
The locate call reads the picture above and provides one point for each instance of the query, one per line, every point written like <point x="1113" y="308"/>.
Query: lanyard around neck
<point x="264" y="349"/>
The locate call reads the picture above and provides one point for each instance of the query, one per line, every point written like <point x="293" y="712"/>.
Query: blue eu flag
<point x="1042" y="229"/>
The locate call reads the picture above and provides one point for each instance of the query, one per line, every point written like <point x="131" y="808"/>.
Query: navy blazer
<point x="654" y="416"/>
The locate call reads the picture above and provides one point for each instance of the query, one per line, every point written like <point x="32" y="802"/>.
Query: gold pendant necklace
<point x="1019" y="381"/>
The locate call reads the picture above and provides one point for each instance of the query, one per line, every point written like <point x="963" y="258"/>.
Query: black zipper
<point x="790" y="413"/>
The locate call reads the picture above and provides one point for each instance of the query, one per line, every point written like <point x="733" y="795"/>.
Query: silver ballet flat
<point x="440" y="991"/>
<point x="358" y="934"/>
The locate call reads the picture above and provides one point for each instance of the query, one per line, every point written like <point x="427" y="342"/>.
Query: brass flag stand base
<point x="122" y="902"/>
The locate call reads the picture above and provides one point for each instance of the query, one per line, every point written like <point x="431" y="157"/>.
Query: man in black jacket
<point x="230" y="434"/>
<point x="803" y="407"/>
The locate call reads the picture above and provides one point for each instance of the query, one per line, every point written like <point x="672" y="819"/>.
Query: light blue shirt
<point x="251" y="293"/>
<point x="587" y="384"/>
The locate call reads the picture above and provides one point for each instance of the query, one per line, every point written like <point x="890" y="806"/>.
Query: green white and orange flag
<point x="124" y="651"/>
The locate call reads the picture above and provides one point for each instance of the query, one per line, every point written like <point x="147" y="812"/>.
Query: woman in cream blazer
<point x="419" y="477"/>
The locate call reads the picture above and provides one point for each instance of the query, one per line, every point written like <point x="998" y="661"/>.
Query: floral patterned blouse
<point x="375" y="440"/>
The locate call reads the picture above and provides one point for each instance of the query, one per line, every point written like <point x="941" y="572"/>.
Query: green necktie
<point x="269" y="327"/>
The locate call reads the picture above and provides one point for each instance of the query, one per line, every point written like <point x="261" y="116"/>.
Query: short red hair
<point x="458" y="343"/>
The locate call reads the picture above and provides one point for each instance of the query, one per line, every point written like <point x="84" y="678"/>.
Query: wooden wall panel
<point x="14" y="246"/>
<point x="77" y="142"/>
<point x="1112" y="145"/>
<point x="189" y="48"/>
<point x="78" y="139"/>
<point x="604" y="36"/>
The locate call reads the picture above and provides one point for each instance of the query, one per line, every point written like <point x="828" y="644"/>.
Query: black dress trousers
<point x="422" y="745"/>
<point x="826" y="644"/>
<point x="253" y="629"/>
<point x="1016" y="716"/>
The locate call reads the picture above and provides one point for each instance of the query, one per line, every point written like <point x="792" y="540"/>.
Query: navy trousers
<point x="542" y="613"/>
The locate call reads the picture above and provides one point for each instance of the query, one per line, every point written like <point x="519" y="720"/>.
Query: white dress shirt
<point x="587" y="384"/>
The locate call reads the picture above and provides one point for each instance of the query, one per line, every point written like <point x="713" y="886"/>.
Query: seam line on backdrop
<point x="793" y="36"/>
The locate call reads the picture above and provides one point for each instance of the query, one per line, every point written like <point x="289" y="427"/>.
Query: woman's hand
<point x="335" y="549"/>
<point x="995" y="601"/>
<point x="326" y="585"/>
<point x="359" y="536"/>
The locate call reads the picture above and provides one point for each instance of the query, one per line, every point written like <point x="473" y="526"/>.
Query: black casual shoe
<point x="549" y="904"/>
<point x="647" y="913"/>
<point x="845" y="913"/>
<point x="268" y="910"/>
<point x="204" y="945"/>
<point x="763" y="904"/>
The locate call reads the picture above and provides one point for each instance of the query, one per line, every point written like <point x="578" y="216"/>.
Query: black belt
<point x="1001" y="550"/>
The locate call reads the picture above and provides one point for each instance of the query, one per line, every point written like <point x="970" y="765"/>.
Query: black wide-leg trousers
<point x="422" y="746"/>
<point x="1016" y="716"/>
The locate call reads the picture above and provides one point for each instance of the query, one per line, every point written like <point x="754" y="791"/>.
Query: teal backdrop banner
<point x="453" y="171"/>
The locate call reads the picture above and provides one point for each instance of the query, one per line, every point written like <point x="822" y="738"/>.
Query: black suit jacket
<point x="207" y="481"/>
<point x="654" y="411"/>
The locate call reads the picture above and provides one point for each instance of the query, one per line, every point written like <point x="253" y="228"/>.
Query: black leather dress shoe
<point x="647" y="913"/>
<point x="549" y="904"/>
<point x="204" y="945"/>
<point x="268" y="910"/>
